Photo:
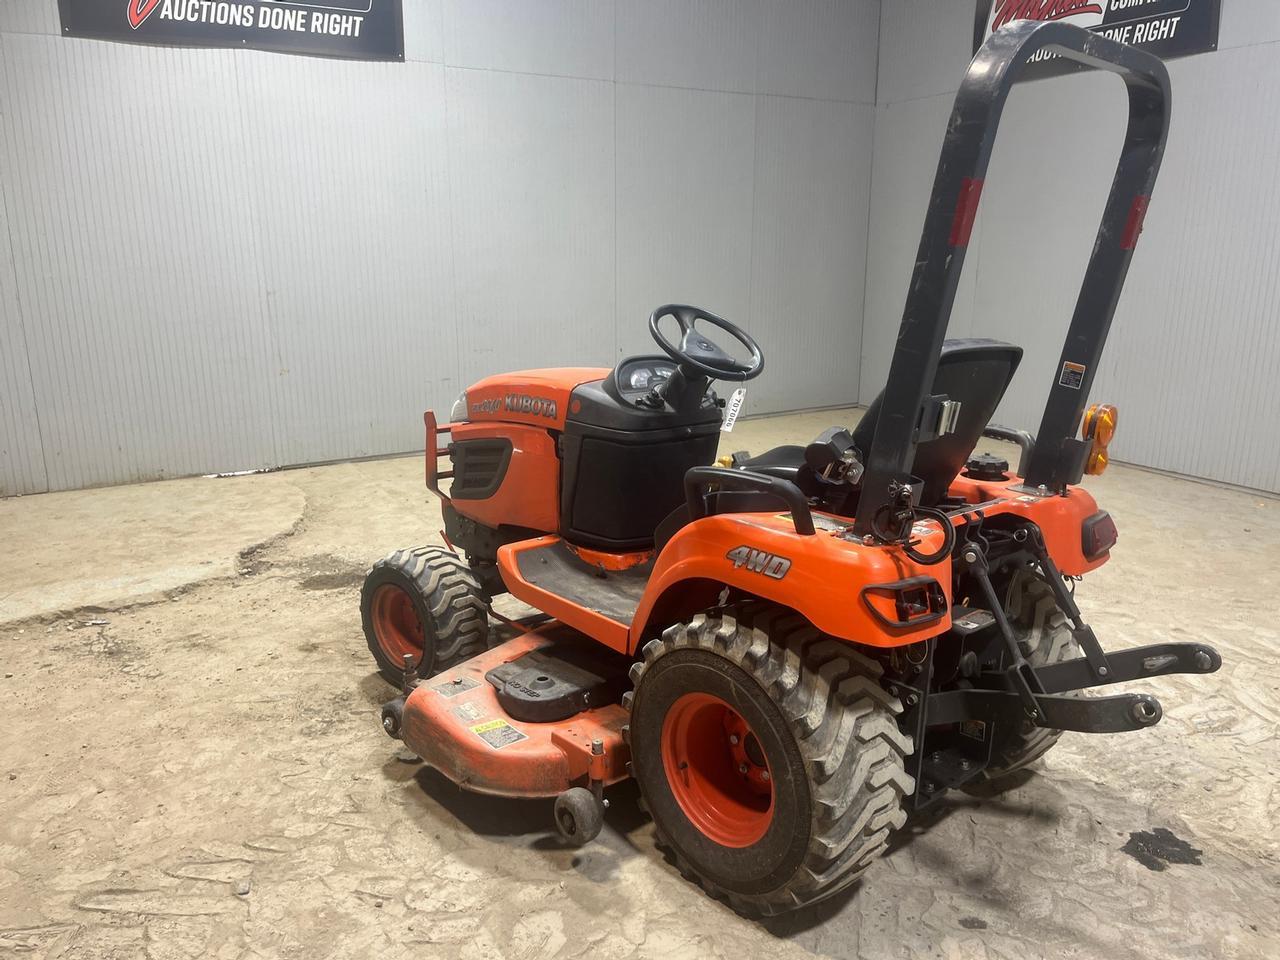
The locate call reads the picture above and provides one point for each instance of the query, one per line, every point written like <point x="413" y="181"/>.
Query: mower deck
<point x="457" y="724"/>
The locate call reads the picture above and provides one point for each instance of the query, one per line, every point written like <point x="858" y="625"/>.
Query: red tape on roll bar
<point x="1133" y="226"/>
<point x="966" y="211"/>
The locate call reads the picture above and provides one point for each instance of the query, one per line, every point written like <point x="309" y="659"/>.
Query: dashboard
<point x="636" y="376"/>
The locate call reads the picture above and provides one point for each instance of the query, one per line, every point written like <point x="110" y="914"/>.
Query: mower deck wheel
<point x="423" y="603"/>
<point x="579" y="816"/>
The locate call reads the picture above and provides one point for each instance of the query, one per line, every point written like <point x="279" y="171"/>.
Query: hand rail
<point x="696" y="479"/>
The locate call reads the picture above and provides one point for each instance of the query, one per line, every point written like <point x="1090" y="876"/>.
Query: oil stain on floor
<point x="1158" y="848"/>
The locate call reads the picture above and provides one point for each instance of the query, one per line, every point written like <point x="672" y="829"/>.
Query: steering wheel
<point x="699" y="352"/>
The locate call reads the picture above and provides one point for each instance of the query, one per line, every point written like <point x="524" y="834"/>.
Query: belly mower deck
<point x="521" y="719"/>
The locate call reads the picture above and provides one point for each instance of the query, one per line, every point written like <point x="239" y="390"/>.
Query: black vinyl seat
<point x="974" y="371"/>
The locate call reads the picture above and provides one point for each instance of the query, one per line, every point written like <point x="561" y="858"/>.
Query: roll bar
<point x="1057" y="457"/>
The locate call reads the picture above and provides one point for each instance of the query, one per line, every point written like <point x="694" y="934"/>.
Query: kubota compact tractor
<point x="788" y="652"/>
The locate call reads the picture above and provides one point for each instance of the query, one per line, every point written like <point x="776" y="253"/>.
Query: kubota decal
<point x="759" y="561"/>
<point x="523" y="403"/>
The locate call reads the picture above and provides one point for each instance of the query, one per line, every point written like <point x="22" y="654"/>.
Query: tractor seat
<point x="975" y="372"/>
<point x="784" y="461"/>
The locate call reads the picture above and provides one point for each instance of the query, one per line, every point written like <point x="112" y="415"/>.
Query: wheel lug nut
<point x="733" y="739"/>
<point x="764" y="775"/>
<point x="742" y="768"/>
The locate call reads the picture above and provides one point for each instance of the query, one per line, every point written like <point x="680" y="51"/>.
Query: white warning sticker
<point x="732" y="409"/>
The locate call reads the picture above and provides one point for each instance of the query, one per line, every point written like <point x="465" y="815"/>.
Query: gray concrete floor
<point x="191" y="764"/>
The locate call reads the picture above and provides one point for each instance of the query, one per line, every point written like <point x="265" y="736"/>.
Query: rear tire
<point x="797" y="807"/>
<point x="1044" y="634"/>
<point x="426" y="603"/>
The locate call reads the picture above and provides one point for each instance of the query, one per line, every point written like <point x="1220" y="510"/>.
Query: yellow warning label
<point x="498" y="733"/>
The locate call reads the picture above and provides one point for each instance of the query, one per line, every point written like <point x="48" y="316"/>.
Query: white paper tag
<point x="732" y="410"/>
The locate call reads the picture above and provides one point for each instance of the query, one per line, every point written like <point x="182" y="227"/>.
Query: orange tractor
<point x="790" y="652"/>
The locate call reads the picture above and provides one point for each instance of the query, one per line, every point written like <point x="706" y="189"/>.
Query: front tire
<point x="423" y="603"/>
<point x="769" y="756"/>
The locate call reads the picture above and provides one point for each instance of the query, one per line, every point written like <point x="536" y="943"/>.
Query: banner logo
<point x="139" y="10"/>
<point x="1009" y="10"/>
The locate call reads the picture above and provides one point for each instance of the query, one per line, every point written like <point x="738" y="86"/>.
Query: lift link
<point x="1020" y="674"/>
<point x="1081" y="631"/>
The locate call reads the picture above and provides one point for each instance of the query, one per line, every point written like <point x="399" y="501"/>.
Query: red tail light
<point x="1098" y="535"/>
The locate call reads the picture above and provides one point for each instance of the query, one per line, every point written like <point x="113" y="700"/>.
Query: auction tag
<point x="732" y="410"/>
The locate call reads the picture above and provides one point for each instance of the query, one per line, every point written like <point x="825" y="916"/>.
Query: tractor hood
<point x="539" y="397"/>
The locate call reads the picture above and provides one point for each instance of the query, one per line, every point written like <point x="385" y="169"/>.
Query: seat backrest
<point x="974" y="371"/>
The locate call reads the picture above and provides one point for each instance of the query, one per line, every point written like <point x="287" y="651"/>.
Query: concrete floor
<point x="191" y="764"/>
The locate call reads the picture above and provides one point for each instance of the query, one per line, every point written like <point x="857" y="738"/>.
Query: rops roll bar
<point x="1057" y="457"/>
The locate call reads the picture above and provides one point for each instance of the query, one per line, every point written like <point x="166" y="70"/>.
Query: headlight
<point x="458" y="412"/>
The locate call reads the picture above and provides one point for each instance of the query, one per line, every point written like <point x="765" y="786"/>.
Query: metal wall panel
<point x="21" y="458"/>
<point x="706" y="45"/>
<point x="423" y="30"/>
<point x="229" y="259"/>
<point x="135" y="260"/>
<point x="1194" y="344"/>
<point x="684" y="195"/>
<point x="812" y="184"/>
<point x="825" y="49"/>
<point x="30" y="16"/>
<point x="355" y="258"/>
<point x="566" y="38"/>
<point x="531" y="169"/>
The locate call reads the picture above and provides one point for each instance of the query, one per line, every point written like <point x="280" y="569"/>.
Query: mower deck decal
<point x="470" y="712"/>
<point x="498" y="733"/>
<point x="451" y="688"/>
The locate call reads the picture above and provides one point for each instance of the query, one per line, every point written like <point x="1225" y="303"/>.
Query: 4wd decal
<point x="758" y="561"/>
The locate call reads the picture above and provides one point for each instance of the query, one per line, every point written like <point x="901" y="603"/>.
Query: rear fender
<point x="823" y="577"/>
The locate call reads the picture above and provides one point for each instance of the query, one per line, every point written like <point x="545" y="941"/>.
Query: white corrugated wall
<point x="1194" y="346"/>
<point x="218" y="260"/>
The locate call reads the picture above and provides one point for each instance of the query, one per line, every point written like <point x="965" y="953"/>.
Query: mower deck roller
<point x="790" y="653"/>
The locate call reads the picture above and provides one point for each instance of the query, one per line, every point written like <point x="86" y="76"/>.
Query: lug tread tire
<point x="1045" y="635"/>
<point x="844" y="724"/>
<point x="452" y="597"/>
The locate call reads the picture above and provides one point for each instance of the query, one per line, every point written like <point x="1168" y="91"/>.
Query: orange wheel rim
<point x="396" y="625"/>
<point x="717" y="770"/>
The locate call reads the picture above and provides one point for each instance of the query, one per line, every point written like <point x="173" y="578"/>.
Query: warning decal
<point x="469" y="712"/>
<point x="451" y="688"/>
<point x="1072" y="375"/>
<point x="498" y="733"/>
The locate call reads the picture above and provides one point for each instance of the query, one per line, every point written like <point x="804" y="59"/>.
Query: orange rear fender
<point x="824" y="577"/>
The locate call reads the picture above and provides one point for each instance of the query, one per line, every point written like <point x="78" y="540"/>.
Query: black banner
<point x="1167" y="28"/>
<point x="351" y="29"/>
